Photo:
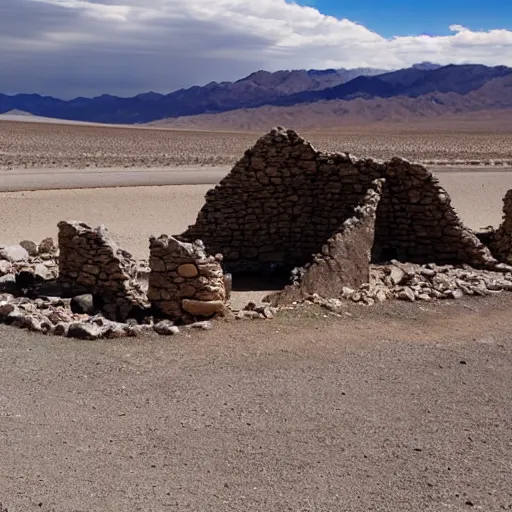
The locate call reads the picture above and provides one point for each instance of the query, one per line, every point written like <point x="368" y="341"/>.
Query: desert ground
<point x="133" y="214"/>
<point x="39" y="145"/>
<point x="398" y="407"/>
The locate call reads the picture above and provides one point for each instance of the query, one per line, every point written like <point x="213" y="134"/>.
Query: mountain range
<point x="424" y="89"/>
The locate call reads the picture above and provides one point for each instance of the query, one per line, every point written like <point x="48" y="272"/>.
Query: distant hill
<point x="423" y="90"/>
<point x="489" y="106"/>
<point x="16" y="112"/>
<point x="257" y="89"/>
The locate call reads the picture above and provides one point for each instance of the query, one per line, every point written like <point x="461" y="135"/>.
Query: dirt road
<point x="397" y="408"/>
<point x="57" y="179"/>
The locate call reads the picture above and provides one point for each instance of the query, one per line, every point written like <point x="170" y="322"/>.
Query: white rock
<point x="166" y="328"/>
<point x="5" y="268"/>
<point x="6" y="308"/>
<point x="84" y="331"/>
<point x="13" y="253"/>
<point x="406" y="294"/>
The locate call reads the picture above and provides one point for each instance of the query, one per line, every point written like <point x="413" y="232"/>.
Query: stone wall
<point x="501" y="239"/>
<point x="184" y="282"/>
<point x="344" y="261"/>
<point x="90" y="262"/>
<point x="283" y="200"/>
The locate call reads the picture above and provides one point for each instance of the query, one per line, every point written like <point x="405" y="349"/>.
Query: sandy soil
<point x="131" y="214"/>
<point x="398" y="408"/>
<point x="134" y="214"/>
<point x="35" y="145"/>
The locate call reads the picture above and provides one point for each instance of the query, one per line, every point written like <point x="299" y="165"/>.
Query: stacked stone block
<point x="90" y="262"/>
<point x="501" y="240"/>
<point x="283" y="200"/>
<point x="184" y="282"/>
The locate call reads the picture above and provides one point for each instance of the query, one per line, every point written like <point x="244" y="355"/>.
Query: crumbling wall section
<point x="501" y="239"/>
<point x="283" y="200"/>
<point x="417" y="223"/>
<point x="91" y="262"/>
<point x="279" y="204"/>
<point x="344" y="261"/>
<point x="184" y="282"/>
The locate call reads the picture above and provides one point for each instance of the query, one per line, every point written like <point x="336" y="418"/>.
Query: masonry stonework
<point x="283" y="200"/>
<point x="501" y="239"/>
<point x="90" y="262"/>
<point x="184" y="282"/>
<point x="344" y="260"/>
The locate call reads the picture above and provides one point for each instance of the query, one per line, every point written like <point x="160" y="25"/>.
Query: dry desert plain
<point x="399" y="407"/>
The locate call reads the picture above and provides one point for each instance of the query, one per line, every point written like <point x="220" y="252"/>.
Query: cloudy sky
<point x="69" y="48"/>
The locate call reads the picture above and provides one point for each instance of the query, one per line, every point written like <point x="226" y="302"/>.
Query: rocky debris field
<point x="29" y="295"/>
<point x="31" y="298"/>
<point x="423" y="283"/>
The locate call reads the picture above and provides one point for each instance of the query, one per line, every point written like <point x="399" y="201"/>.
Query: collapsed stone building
<point x="287" y="205"/>
<point x="320" y="218"/>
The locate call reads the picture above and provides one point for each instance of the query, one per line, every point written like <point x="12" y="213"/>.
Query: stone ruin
<point x="90" y="262"/>
<point x="340" y="228"/>
<point x="184" y="282"/>
<point x="284" y="200"/>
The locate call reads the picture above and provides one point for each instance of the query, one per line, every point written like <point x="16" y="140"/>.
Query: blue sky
<point x="414" y="17"/>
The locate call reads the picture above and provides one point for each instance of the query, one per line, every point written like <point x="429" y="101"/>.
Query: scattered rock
<point x="396" y="275"/>
<point x="406" y="294"/>
<point x="84" y="331"/>
<point x="47" y="246"/>
<point x="13" y="253"/>
<point x="62" y="329"/>
<point x="166" y="328"/>
<point x="204" y="326"/>
<point x="6" y="308"/>
<point x="8" y="284"/>
<point x="5" y="268"/>
<point x="203" y="308"/>
<point x="83" y="304"/>
<point x="30" y="247"/>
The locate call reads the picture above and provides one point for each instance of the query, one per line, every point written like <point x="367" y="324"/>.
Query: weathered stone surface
<point x="47" y="246"/>
<point x="283" y="200"/>
<point x="203" y="308"/>
<point x="501" y="239"/>
<point x="166" y="328"/>
<point x="90" y="262"/>
<point x="188" y="270"/>
<point x="205" y="325"/>
<point x="84" y="331"/>
<point x="182" y="270"/>
<point x="6" y="308"/>
<point x="30" y="247"/>
<point x="396" y="275"/>
<point x="8" y="283"/>
<point x="5" y="268"/>
<point x="83" y="304"/>
<point x="61" y="329"/>
<point x="13" y="253"/>
<point x="344" y="260"/>
<point x="406" y="294"/>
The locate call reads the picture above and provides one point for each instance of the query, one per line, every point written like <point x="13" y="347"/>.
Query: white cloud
<point x="84" y="47"/>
